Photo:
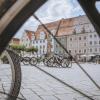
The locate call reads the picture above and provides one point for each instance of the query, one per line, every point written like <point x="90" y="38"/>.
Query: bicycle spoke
<point x="86" y="73"/>
<point x="1" y="92"/>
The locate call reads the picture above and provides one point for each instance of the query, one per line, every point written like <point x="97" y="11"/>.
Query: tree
<point x="18" y="48"/>
<point x="31" y="49"/>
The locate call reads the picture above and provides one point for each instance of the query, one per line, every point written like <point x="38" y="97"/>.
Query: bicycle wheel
<point x="26" y="60"/>
<point x="65" y="63"/>
<point x="50" y="62"/>
<point x="10" y="76"/>
<point x="33" y="61"/>
<point x="45" y="61"/>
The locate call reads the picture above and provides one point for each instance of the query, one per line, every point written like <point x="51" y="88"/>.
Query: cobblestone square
<point x="37" y="85"/>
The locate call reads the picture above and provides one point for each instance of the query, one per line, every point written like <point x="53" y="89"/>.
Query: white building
<point x="76" y="34"/>
<point x="40" y="42"/>
<point x="27" y="38"/>
<point x="80" y="40"/>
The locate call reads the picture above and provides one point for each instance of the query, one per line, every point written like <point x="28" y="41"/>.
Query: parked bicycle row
<point x="54" y="60"/>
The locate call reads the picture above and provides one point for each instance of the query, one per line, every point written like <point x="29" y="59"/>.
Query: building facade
<point x="82" y="41"/>
<point x="27" y="38"/>
<point x="40" y="42"/>
<point x="76" y="34"/>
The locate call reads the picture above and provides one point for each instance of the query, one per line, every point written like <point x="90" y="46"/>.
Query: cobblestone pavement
<point x="36" y="85"/>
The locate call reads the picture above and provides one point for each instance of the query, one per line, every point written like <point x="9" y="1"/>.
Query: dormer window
<point x="53" y="32"/>
<point x="42" y="35"/>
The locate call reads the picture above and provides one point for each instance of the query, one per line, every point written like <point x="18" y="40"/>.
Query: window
<point x="79" y="38"/>
<point x="95" y="49"/>
<point x="70" y="39"/>
<point x="40" y="51"/>
<point x="99" y="42"/>
<point x="90" y="42"/>
<point x="53" y="31"/>
<point x="43" y="46"/>
<point x="44" y="41"/>
<point x="84" y="50"/>
<point x="79" y="51"/>
<point x="36" y="41"/>
<point x="90" y="50"/>
<point x="69" y="51"/>
<point x="84" y="37"/>
<point x="95" y="35"/>
<point x="90" y="36"/>
<point x="95" y="42"/>
<point x="42" y="35"/>
<point x="40" y="41"/>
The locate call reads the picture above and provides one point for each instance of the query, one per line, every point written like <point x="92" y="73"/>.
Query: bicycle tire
<point x="33" y="61"/>
<point x="65" y="63"/>
<point x="45" y="61"/>
<point x="50" y="62"/>
<point x="26" y="60"/>
<point x="16" y="74"/>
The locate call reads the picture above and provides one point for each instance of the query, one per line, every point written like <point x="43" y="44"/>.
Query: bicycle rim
<point x="14" y="75"/>
<point x="33" y="61"/>
<point x="26" y="60"/>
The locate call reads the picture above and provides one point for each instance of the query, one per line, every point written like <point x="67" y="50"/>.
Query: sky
<point x="53" y="10"/>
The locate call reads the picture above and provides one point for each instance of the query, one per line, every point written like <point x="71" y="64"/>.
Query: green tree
<point x="31" y="49"/>
<point x="18" y="48"/>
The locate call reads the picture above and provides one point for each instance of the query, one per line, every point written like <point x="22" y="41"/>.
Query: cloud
<point x="30" y="24"/>
<point x="60" y="8"/>
<point x="98" y="6"/>
<point x="52" y="10"/>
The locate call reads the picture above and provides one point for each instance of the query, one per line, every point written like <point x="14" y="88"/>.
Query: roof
<point x="29" y="34"/>
<point x="67" y="26"/>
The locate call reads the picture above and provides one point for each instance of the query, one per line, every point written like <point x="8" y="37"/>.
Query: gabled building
<point x="14" y="41"/>
<point x="73" y="33"/>
<point x="27" y="38"/>
<point x="80" y="38"/>
<point x="40" y="42"/>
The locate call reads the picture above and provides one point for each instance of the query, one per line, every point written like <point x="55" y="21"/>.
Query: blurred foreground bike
<point x="10" y="75"/>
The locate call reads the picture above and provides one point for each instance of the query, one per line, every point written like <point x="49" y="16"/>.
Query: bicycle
<point x="28" y="7"/>
<point x="25" y="60"/>
<point x="15" y="71"/>
<point x="11" y="20"/>
<point x="35" y="60"/>
<point x="57" y="61"/>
